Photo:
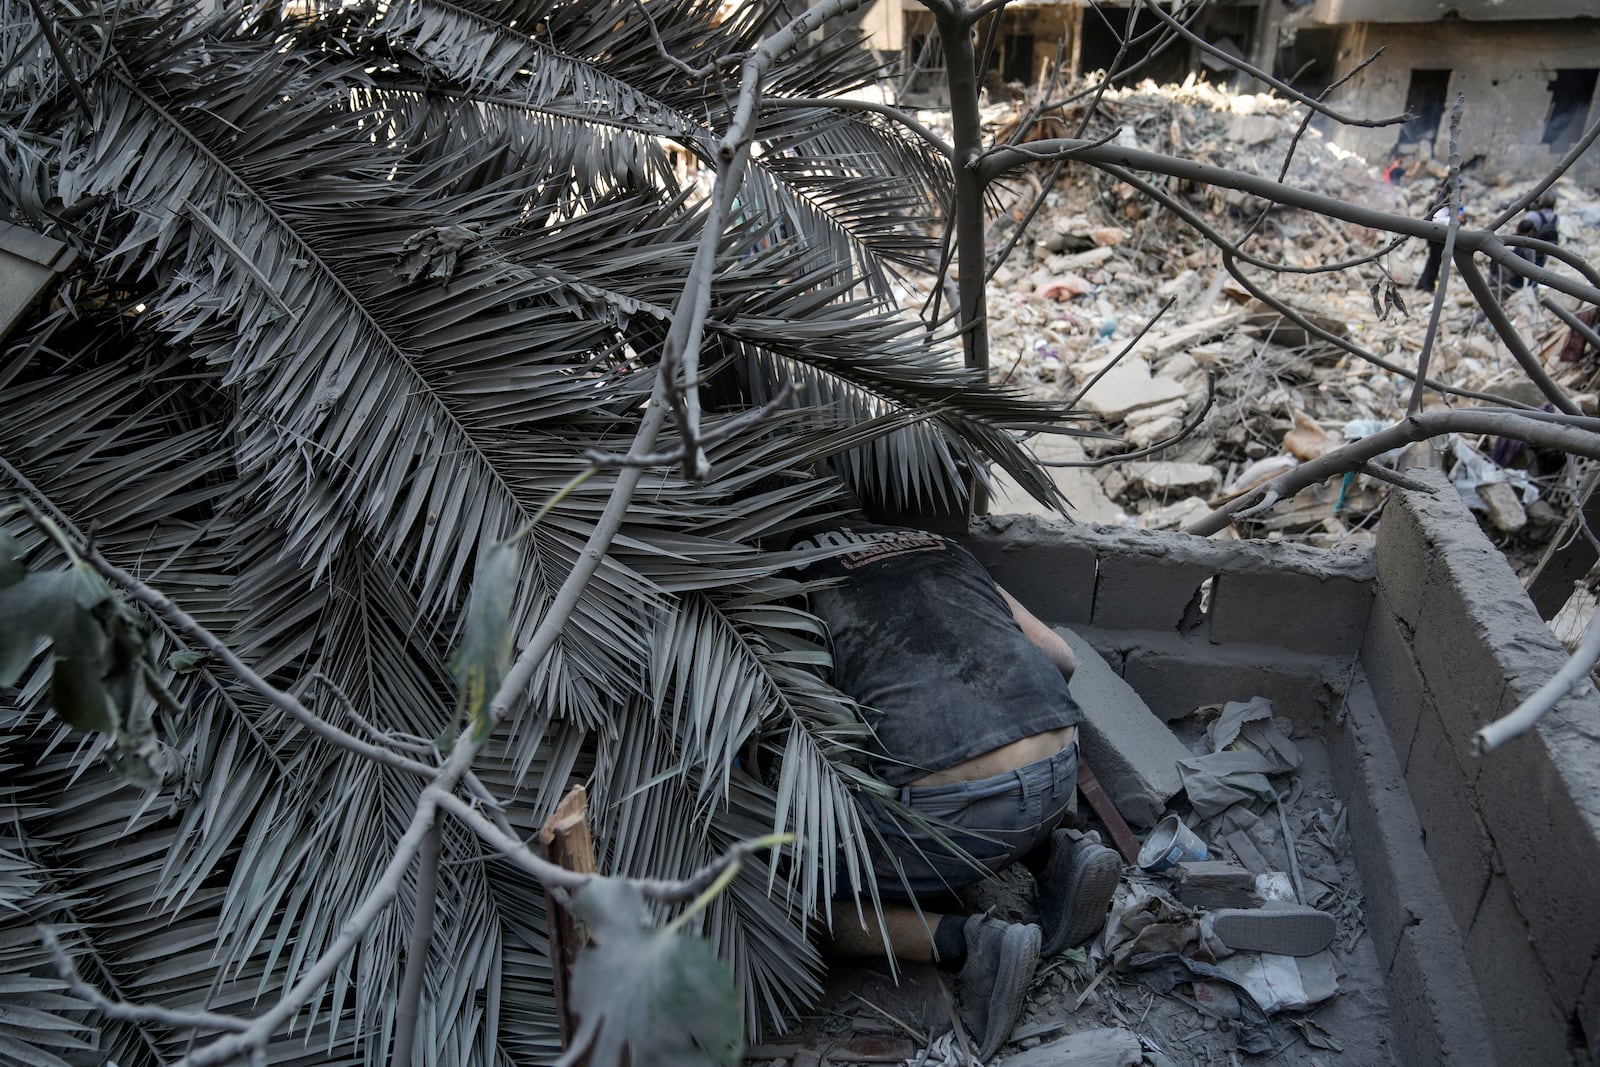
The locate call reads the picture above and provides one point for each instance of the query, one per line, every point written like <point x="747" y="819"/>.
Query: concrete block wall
<point x="1453" y="643"/>
<point x="1482" y="874"/>
<point x="1181" y="616"/>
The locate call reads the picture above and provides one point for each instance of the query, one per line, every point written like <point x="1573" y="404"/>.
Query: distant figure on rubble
<point x="1430" y="270"/>
<point x="1542" y="223"/>
<point x="966" y="692"/>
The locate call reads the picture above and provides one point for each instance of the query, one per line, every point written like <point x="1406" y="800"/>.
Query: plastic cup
<point x="1171" y="842"/>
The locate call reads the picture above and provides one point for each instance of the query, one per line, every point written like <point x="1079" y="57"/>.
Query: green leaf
<point x="188" y="662"/>
<point x="480" y="661"/>
<point x="646" y="995"/>
<point x="77" y="695"/>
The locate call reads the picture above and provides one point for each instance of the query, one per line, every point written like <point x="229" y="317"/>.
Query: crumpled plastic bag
<point x="1246" y="746"/>
<point x="1163" y="972"/>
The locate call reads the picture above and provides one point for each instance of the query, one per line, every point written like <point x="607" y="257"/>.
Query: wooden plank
<point x="568" y="842"/>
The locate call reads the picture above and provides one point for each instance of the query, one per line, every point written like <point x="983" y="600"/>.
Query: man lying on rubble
<point x="966" y="692"/>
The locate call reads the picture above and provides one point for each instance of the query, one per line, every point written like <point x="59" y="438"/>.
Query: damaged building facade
<point x="1528" y="69"/>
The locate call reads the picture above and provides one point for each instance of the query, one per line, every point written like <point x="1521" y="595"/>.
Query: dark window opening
<point x="1018" y="64"/>
<point x="1570" y="94"/>
<point x="1425" y="102"/>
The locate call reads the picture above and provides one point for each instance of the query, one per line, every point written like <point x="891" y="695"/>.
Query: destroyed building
<point x="1528" y="70"/>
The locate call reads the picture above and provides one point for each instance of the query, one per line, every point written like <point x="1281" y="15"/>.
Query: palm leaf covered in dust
<point x="357" y="294"/>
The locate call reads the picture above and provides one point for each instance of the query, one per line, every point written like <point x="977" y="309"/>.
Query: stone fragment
<point x="1148" y="433"/>
<point x="1109" y="1047"/>
<point x="1107" y="236"/>
<point x="1175" y="516"/>
<point x="1212" y="884"/>
<point x="1504" y="506"/>
<point x="1128" y="386"/>
<point x="1166" y="476"/>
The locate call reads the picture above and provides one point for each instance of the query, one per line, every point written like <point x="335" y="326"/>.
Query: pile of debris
<point x="1238" y="927"/>
<point x="1103" y="262"/>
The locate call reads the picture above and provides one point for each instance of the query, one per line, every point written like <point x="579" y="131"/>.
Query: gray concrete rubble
<point x="1071" y="299"/>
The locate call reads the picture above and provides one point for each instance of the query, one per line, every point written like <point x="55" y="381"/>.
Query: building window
<point x="1570" y="94"/>
<point x="1425" y="103"/>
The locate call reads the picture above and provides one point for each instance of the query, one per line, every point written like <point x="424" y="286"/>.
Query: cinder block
<point x="1457" y="654"/>
<point x="1306" y="612"/>
<point x="1397" y="878"/>
<point x="1589" y="1012"/>
<point x="1397" y="685"/>
<point x="1438" y="1014"/>
<point x="1526" y="1026"/>
<point x="1048" y="567"/>
<point x="1455" y="837"/>
<point x="1146" y="590"/>
<point x="1405" y="551"/>
<point x="1132" y="752"/>
<point x="1175" y="675"/>
<point x="1539" y="795"/>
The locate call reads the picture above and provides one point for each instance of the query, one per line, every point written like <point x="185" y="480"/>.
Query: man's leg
<point x="993" y="962"/>
<point x="909" y="934"/>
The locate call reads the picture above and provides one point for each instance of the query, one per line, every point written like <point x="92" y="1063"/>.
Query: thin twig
<point x="1283" y="87"/>
<point x="1584" y="330"/>
<point x="165" y="607"/>
<point x="133" y="1013"/>
<point x="1525" y="357"/>
<point x="1116" y="359"/>
<point x="1452" y="204"/>
<point x="1150" y="450"/>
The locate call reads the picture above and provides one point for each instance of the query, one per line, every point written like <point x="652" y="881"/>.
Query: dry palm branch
<point x="360" y="293"/>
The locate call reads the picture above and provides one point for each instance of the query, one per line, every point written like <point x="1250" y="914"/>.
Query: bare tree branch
<point x="133" y="1013"/>
<point x="1452" y="205"/>
<point x="1525" y="357"/>
<point x="1418" y="427"/>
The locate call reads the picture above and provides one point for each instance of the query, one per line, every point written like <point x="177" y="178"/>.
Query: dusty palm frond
<point x="360" y="296"/>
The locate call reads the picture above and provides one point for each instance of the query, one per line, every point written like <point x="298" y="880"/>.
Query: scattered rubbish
<point x="1282" y="983"/>
<point x="1170" y="843"/>
<point x="1246" y="746"/>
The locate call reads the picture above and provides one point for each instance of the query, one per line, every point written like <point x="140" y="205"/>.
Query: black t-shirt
<point x="922" y="639"/>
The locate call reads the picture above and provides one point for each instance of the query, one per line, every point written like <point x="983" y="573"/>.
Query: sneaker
<point x="992" y="984"/>
<point x="1075" y="891"/>
<point x="1293" y="930"/>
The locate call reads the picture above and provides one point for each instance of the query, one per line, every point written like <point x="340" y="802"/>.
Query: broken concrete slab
<point x="1504" y="506"/>
<point x="1166" y="476"/>
<point x="1132" y="752"/>
<point x="1126" y="387"/>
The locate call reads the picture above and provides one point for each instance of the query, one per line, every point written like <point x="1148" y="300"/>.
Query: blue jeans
<point x="993" y="822"/>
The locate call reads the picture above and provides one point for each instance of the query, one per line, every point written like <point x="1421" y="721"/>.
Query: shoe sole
<point x="1019" y="959"/>
<point x="1088" y="896"/>
<point x="1285" y="931"/>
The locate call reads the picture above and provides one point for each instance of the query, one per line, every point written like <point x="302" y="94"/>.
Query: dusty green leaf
<point x="480" y="661"/>
<point x="188" y="662"/>
<point x="649" y="995"/>
<point x="78" y="696"/>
